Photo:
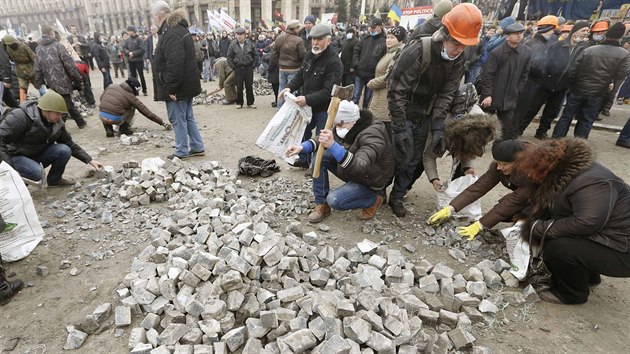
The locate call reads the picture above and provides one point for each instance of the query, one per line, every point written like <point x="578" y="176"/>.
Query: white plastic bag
<point x="152" y="164"/>
<point x="16" y="206"/>
<point x="285" y="128"/>
<point x="518" y="249"/>
<point x="455" y="187"/>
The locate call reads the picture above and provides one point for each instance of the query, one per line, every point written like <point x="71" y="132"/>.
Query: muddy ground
<point x="102" y="254"/>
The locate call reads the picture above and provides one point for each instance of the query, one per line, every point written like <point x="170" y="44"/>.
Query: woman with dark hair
<point x="582" y="210"/>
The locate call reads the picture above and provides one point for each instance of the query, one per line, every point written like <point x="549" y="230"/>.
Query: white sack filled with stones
<point x="218" y="277"/>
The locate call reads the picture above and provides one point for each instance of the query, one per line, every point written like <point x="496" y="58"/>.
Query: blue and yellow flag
<point x="395" y="13"/>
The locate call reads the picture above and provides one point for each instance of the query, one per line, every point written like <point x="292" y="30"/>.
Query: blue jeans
<point x="624" y="90"/>
<point x="624" y="136"/>
<point x="208" y="69"/>
<point x="318" y="122"/>
<point x="586" y="108"/>
<point x="56" y="156"/>
<point x="359" y="84"/>
<point x="107" y="78"/>
<point x="187" y="137"/>
<point x="351" y="195"/>
<point x="285" y="78"/>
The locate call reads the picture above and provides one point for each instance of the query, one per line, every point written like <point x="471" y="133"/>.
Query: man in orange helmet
<point x="422" y="86"/>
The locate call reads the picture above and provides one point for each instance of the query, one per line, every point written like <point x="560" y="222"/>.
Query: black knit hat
<point x="506" y="150"/>
<point x="399" y="32"/>
<point x="616" y="31"/>
<point x="577" y="26"/>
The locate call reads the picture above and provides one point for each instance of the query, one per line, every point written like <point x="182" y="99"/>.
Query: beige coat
<point x="378" y="85"/>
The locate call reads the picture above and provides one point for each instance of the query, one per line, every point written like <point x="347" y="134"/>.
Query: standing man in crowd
<point x="224" y="43"/>
<point x="24" y="59"/>
<point x="80" y="46"/>
<point x="289" y="50"/>
<point x="55" y="68"/>
<point x="305" y="32"/>
<point x="594" y="74"/>
<point x="134" y="49"/>
<point x="320" y="71"/>
<point x="210" y="49"/>
<point x="242" y="58"/>
<point x="176" y="78"/>
<point x="151" y="43"/>
<point x="99" y="52"/>
<point x="347" y="54"/>
<point x="366" y="55"/>
<point x="419" y="97"/>
<point x="34" y="135"/>
<point x="114" y="49"/>
<point x="504" y="77"/>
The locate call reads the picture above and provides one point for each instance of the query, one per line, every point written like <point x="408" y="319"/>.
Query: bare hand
<point x="293" y="150"/>
<point x="471" y="171"/>
<point x="103" y="70"/>
<point x="351" y="70"/>
<point x="7" y="85"/>
<point x="281" y="94"/>
<point x="437" y="184"/>
<point x="96" y="165"/>
<point x="611" y="87"/>
<point x="326" y="138"/>
<point x="301" y="101"/>
<point x="486" y="102"/>
<point x="130" y="54"/>
<point x="173" y="97"/>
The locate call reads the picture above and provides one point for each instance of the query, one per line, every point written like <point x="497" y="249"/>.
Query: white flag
<point x="227" y="21"/>
<point x="214" y="22"/>
<point x="60" y="27"/>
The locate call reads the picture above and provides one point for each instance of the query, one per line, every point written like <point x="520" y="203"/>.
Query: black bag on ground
<point x="254" y="166"/>
<point x="538" y="275"/>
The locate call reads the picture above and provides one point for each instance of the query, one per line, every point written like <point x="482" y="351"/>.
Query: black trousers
<point x="509" y="125"/>
<point x="87" y="90"/>
<point x="7" y="97"/>
<point x="73" y="111"/>
<point x="553" y="105"/>
<point x="347" y="79"/>
<point x="136" y="69"/>
<point x="577" y="263"/>
<point x="244" y="77"/>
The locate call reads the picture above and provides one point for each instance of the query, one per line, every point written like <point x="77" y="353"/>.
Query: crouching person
<point x="118" y="106"/>
<point x="34" y="135"/>
<point x="358" y="151"/>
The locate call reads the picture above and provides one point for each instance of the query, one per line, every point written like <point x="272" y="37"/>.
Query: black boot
<point x="109" y="130"/>
<point x="397" y="207"/>
<point x="125" y="129"/>
<point x="8" y="288"/>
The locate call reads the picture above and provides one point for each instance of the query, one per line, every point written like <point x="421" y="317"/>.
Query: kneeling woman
<point x="583" y="209"/>
<point x="358" y="151"/>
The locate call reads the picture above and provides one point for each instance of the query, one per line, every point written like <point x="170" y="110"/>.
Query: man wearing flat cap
<point x="319" y="72"/>
<point x="289" y="51"/>
<point x="359" y="152"/>
<point x="134" y="49"/>
<point x="242" y="58"/>
<point x="504" y="78"/>
<point x="367" y="54"/>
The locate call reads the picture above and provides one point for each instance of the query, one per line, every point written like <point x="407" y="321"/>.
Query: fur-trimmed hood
<point x="177" y="17"/>
<point x="469" y="123"/>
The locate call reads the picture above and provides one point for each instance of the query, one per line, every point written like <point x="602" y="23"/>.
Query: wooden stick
<point x="333" y="107"/>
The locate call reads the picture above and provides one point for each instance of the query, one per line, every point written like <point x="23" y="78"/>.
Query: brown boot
<point x="321" y="212"/>
<point x="369" y="213"/>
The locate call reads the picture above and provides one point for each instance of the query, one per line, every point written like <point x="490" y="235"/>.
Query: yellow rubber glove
<point x="470" y="231"/>
<point x="440" y="216"/>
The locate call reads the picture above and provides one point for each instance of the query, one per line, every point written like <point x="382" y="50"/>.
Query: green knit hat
<point x="52" y="102"/>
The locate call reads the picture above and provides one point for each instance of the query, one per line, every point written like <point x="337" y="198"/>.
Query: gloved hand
<point x="438" y="144"/>
<point x="167" y="126"/>
<point x="403" y="144"/>
<point x="440" y="216"/>
<point x="470" y="231"/>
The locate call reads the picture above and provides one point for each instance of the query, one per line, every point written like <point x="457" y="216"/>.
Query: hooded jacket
<point x="116" y="99"/>
<point x="135" y="45"/>
<point x="504" y="76"/>
<point x="582" y="199"/>
<point x="24" y="60"/>
<point x="24" y="133"/>
<point x="316" y="78"/>
<point x="99" y="52"/>
<point x="597" y="67"/>
<point x="55" y="67"/>
<point x="367" y="53"/>
<point x="174" y="67"/>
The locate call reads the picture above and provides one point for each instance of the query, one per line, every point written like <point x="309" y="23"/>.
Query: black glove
<point x="403" y="144"/>
<point x="438" y="144"/>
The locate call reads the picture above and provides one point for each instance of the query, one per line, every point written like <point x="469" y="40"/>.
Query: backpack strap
<point x="426" y="54"/>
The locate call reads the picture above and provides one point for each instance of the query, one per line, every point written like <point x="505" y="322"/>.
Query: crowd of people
<point x="451" y="84"/>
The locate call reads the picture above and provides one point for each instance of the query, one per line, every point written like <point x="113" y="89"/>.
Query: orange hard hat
<point x="549" y="20"/>
<point x="464" y="22"/>
<point x="566" y="28"/>
<point x="600" y="26"/>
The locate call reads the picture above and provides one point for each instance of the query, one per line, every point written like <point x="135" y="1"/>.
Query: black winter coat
<point x="247" y="57"/>
<point x="558" y="60"/>
<point x="504" y="76"/>
<point x="24" y="133"/>
<point x="367" y="54"/>
<point x="99" y="52"/>
<point x="433" y="91"/>
<point x="597" y="67"/>
<point x="347" y="54"/>
<point x="174" y="67"/>
<point x="316" y="78"/>
<point x="538" y="46"/>
<point x="224" y="45"/>
<point x="135" y="45"/>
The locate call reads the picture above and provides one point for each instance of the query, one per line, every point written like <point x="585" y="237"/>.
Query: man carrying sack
<point x="358" y="151"/>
